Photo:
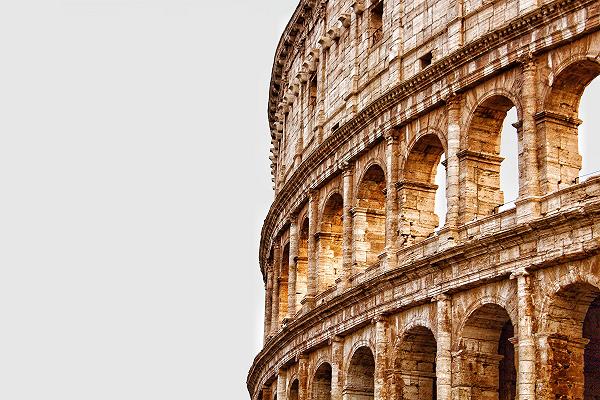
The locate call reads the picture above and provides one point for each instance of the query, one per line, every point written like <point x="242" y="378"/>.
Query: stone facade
<point x="367" y="297"/>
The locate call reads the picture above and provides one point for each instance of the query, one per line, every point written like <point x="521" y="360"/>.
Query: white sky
<point x="134" y="178"/>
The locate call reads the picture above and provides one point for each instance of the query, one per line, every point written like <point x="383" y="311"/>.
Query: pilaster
<point x="268" y="302"/>
<point x="444" y="346"/>
<point x="453" y="106"/>
<point x="526" y="344"/>
<point x="303" y="377"/>
<point x="281" y="384"/>
<point x="313" y="211"/>
<point x="292" y="273"/>
<point x="275" y="297"/>
<point x="337" y="366"/>
<point x="381" y="356"/>
<point x="391" y="199"/>
<point x="347" y="182"/>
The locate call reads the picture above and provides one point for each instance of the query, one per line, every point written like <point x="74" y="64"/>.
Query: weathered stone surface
<point x="366" y="296"/>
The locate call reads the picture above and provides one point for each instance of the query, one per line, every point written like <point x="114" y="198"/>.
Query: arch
<point x="283" y="282"/>
<point x="414" y="375"/>
<point x="329" y="242"/>
<point x="559" y="122"/>
<point x="417" y="189"/>
<point x="572" y="342"/>
<point x="294" y="391"/>
<point x="360" y="376"/>
<point x="485" y="361"/>
<point x="481" y="158"/>
<point x="302" y="262"/>
<point x="321" y="382"/>
<point x="369" y="216"/>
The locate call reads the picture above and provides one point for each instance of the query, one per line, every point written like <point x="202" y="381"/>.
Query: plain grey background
<point x="134" y="178"/>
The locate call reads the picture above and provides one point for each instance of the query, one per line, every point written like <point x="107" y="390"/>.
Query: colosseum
<point x="371" y="294"/>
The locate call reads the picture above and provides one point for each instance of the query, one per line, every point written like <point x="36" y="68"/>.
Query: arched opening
<point x="509" y="152"/>
<point x="321" y="387"/>
<point x="360" y="379"/>
<point x="369" y="217"/>
<point x="485" y="364"/>
<point x="558" y="126"/>
<point x="589" y="140"/>
<point x="283" y="282"/>
<point x="572" y="351"/>
<point x="417" y="190"/>
<point x="414" y="366"/>
<point x="482" y="159"/>
<point x="302" y="265"/>
<point x="294" y="390"/>
<point x="330" y="243"/>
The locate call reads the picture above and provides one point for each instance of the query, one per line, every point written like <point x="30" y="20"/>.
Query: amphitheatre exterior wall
<point x="366" y="296"/>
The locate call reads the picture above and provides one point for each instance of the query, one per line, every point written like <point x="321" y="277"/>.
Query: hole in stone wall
<point x="589" y="132"/>
<point x="509" y="169"/>
<point x="426" y="60"/>
<point x="321" y="387"/>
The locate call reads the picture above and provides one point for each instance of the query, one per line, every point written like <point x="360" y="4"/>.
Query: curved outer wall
<point x="367" y="295"/>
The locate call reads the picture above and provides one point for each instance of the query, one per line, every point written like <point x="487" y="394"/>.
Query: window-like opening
<point x="415" y="367"/>
<point x="482" y="159"/>
<point x="558" y="127"/>
<point x="360" y="380"/>
<point x="441" y="202"/>
<point x="302" y="265"/>
<point x="418" y="189"/>
<point x="509" y="152"/>
<point x="283" y="282"/>
<point x="376" y="22"/>
<point x="369" y="218"/>
<point x="589" y="139"/>
<point x="486" y="364"/>
<point x="426" y="60"/>
<point x="294" y="390"/>
<point x="330" y="239"/>
<point x="312" y="93"/>
<point x="591" y="332"/>
<point x="321" y="387"/>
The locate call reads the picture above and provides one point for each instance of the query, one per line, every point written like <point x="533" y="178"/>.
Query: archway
<point x="481" y="160"/>
<point x="414" y="366"/>
<point x="417" y="189"/>
<point x="558" y="126"/>
<point x="369" y="217"/>
<point x="294" y="390"/>
<point x="321" y="386"/>
<point x="302" y="265"/>
<point x="283" y="282"/>
<point x="360" y="379"/>
<point x="485" y="364"/>
<point x="572" y="350"/>
<point x="329" y="245"/>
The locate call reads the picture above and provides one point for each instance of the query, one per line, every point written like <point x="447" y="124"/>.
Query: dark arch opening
<point x="330" y="243"/>
<point x="321" y="387"/>
<point x="360" y="380"/>
<point x="369" y="217"/>
<point x="294" y="390"/>
<point x="486" y="362"/>
<point x="283" y="282"/>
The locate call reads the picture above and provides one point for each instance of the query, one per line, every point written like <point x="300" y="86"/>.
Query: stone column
<point x="347" y="181"/>
<point x="313" y="212"/>
<point x="275" y="297"/>
<point x="391" y="199"/>
<point x="453" y="106"/>
<point x="292" y="266"/>
<point x="281" y="384"/>
<point x="337" y="366"/>
<point x="443" y="366"/>
<point x="526" y="344"/>
<point x="268" y="301"/>
<point x="303" y="377"/>
<point x="529" y="178"/>
<point x="381" y="361"/>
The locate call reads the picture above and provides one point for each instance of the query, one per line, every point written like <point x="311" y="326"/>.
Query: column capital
<point x="391" y="135"/>
<point x="301" y="357"/>
<point x="380" y="318"/>
<point x="441" y="297"/>
<point x="522" y="272"/>
<point x="293" y="218"/>
<point x="347" y="167"/>
<point x="335" y="339"/>
<point x="452" y="99"/>
<point x="527" y="62"/>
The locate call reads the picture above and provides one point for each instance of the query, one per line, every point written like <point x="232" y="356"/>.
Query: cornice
<point x="442" y="68"/>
